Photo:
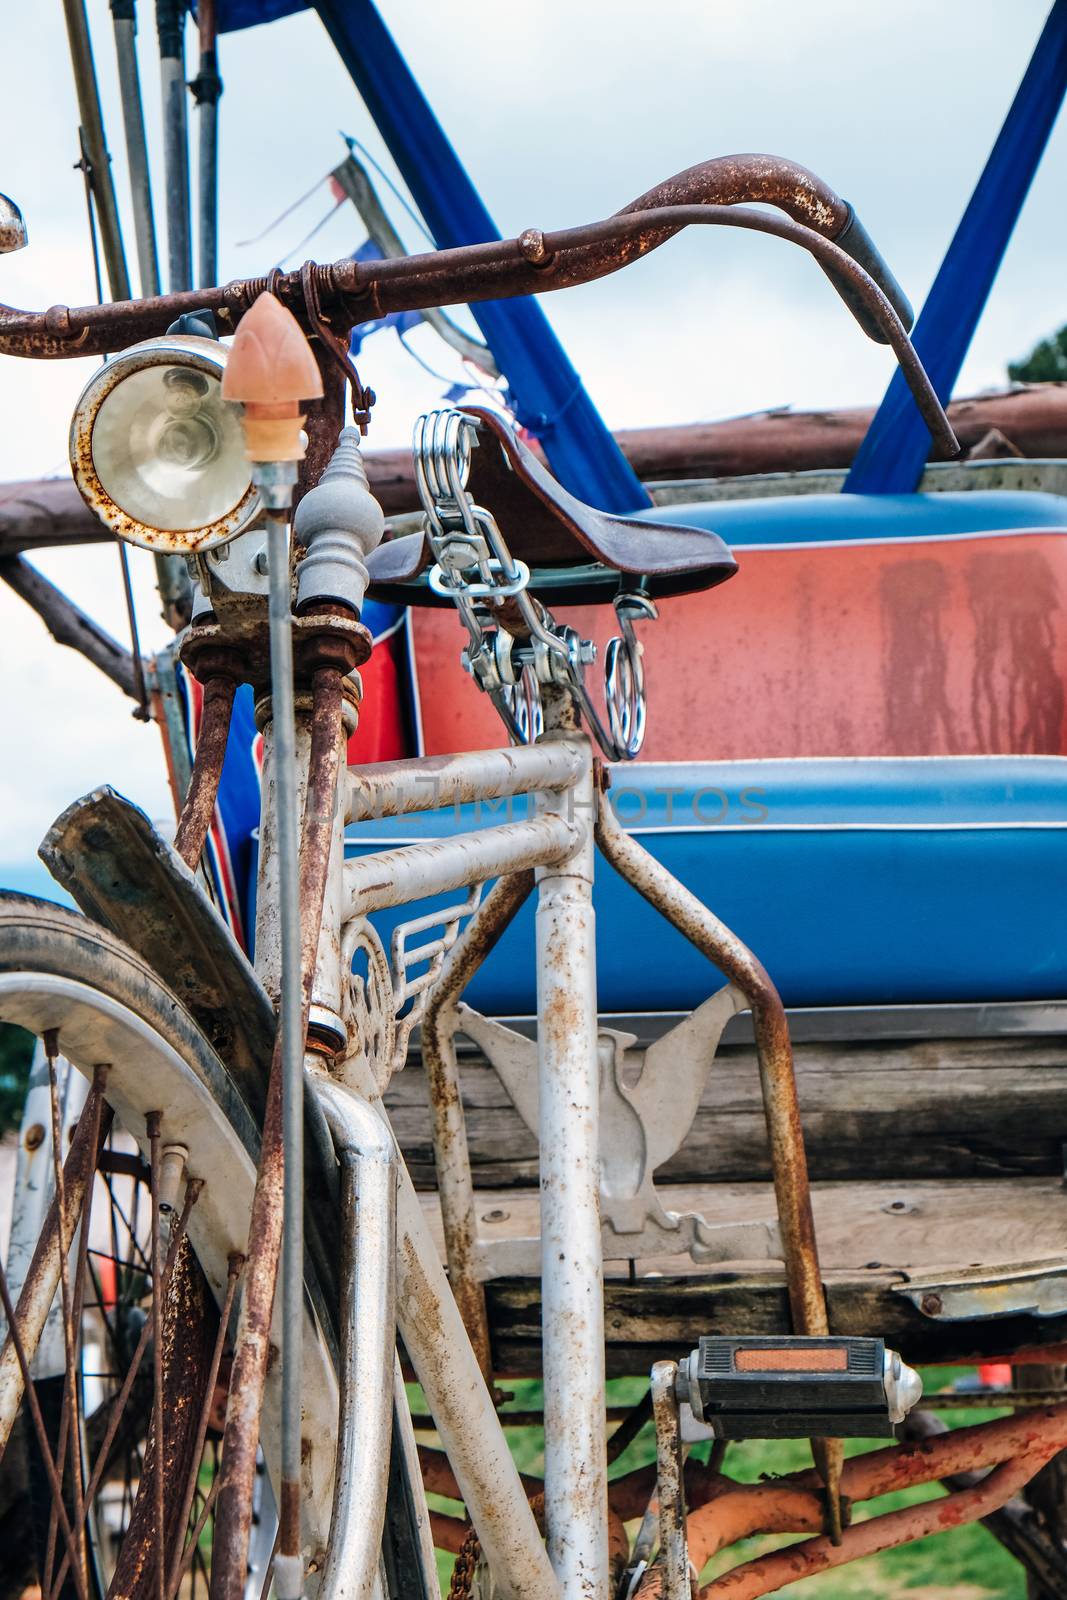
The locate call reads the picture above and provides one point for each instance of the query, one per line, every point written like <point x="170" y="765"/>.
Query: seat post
<point x="572" y="1315"/>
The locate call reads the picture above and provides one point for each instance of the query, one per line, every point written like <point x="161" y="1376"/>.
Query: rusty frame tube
<point x="670" y="1489"/>
<point x="241" y="1434"/>
<point x="399" y="788"/>
<point x="353" y="292"/>
<point x="455" y="1185"/>
<point x="198" y="809"/>
<point x="807" y="1299"/>
<point x="768" y="1573"/>
<point x="723" y="1511"/>
<point x="535" y="262"/>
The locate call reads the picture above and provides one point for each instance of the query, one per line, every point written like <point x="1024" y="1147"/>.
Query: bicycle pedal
<point x="797" y="1388"/>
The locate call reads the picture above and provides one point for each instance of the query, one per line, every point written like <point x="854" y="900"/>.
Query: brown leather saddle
<point x="575" y="553"/>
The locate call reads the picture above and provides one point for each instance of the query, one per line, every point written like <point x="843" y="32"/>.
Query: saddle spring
<point x="515" y="645"/>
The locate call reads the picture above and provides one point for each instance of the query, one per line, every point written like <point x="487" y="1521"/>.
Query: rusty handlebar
<point x="347" y="293"/>
<point x="773" y="181"/>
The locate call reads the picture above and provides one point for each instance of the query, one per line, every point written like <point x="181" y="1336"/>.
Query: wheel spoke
<point x="42" y="1436"/>
<point x="192" y="1193"/>
<point x="153" y="1125"/>
<point x="72" y="1386"/>
<point x="174" y="1577"/>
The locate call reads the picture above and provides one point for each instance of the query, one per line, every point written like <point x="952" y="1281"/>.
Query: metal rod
<point x="42" y="1275"/>
<point x="393" y="877"/>
<point x="398" y="788"/>
<point x="241" y="1437"/>
<point x="767" y="1573"/>
<point x="92" y="121"/>
<point x="170" y="25"/>
<point x="368" y="1339"/>
<point x="236" y="1262"/>
<point x="455" y="1186"/>
<point x="673" y="1551"/>
<point x="72" y="1394"/>
<point x="198" y="810"/>
<point x="207" y="88"/>
<point x="287" y="840"/>
<point x="124" y="22"/>
<point x="152" y="1123"/>
<point x="572" y="1294"/>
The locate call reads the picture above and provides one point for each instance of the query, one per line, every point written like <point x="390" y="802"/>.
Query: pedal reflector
<point x="798" y="1388"/>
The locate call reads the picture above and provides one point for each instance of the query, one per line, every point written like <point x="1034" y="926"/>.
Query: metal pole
<point x="170" y="17"/>
<point x="368" y="1338"/>
<point x="172" y="579"/>
<point x="670" y="1483"/>
<point x="92" y="122"/>
<point x="572" y="1296"/>
<point x="124" y="20"/>
<point x="287" y="837"/>
<point x="207" y="87"/>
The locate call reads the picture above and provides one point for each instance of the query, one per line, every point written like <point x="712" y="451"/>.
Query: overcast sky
<point x="563" y="111"/>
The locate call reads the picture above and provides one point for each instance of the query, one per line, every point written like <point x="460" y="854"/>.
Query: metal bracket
<point x="377" y="1001"/>
<point x="1032" y="1288"/>
<point x="648" y="1100"/>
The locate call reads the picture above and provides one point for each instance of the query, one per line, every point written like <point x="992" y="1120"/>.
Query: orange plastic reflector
<point x="794" y="1360"/>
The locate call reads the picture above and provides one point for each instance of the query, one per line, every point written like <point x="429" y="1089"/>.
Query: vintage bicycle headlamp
<point x="157" y="452"/>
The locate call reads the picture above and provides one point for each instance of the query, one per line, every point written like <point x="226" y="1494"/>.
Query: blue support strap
<point x="893" y="454"/>
<point x="550" y="398"/>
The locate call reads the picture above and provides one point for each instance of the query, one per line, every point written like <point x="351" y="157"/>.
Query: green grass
<point x="964" y="1564"/>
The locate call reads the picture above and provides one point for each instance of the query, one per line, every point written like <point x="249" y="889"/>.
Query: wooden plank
<point x="872" y="1236"/>
<point x="949" y="1108"/>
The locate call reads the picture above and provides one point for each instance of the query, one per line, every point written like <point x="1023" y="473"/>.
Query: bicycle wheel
<point x="106" y="1503"/>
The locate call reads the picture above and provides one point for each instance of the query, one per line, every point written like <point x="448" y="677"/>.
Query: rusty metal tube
<point x="455" y="1186"/>
<point x="199" y="807"/>
<point x="394" y="877"/>
<point x="726" y="1511"/>
<point x="241" y="1436"/>
<point x="771" y="1572"/>
<point x="778" y="1084"/>
<point x="673" y="1549"/>
<point x="397" y="788"/>
<point x="752" y="179"/>
<point x="572" y="1315"/>
<point x="772" y="180"/>
<point x="807" y="1300"/>
<point x="353" y="292"/>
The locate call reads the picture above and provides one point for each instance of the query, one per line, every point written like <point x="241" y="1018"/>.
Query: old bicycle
<point x="151" y="1001"/>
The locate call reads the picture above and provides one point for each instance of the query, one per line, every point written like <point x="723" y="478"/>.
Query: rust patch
<point x="1017" y="694"/>
<point x="914" y="597"/>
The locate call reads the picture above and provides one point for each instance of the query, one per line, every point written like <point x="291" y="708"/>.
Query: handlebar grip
<point x="857" y="242"/>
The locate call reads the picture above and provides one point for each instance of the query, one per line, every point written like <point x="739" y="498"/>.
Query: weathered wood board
<point x="871" y="1237"/>
<point x="952" y="1108"/>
